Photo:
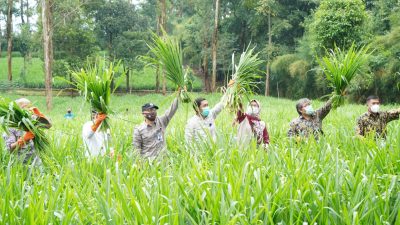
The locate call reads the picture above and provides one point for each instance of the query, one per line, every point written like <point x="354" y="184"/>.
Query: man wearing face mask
<point x="375" y="120"/>
<point x="202" y="125"/>
<point x="149" y="137"/>
<point x="250" y="125"/>
<point x="309" y="121"/>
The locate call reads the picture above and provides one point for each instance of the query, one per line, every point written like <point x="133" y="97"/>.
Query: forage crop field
<point x="338" y="180"/>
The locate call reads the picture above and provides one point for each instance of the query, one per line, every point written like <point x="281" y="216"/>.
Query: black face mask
<point x="151" y="116"/>
<point x="69" y="112"/>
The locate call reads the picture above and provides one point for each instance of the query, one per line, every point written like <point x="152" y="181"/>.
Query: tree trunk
<point x="158" y="79"/>
<point x="48" y="49"/>
<point x="71" y="86"/>
<point x="164" y="28"/>
<point x="267" y="74"/>
<point x="9" y="38"/>
<point x="22" y="12"/>
<point x="127" y="73"/>
<point x="205" y="67"/>
<point x="1" y="37"/>
<point x="277" y="88"/>
<point x="163" y="18"/>
<point x="214" y="48"/>
<point x="27" y="12"/>
<point x="23" y="74"/>
<point x="29" y="55"/>
<point x="158" y="68"/>
<point x="242" y="42"/>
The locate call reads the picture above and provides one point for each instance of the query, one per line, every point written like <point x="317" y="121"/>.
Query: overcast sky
<point x="33" y="19"/>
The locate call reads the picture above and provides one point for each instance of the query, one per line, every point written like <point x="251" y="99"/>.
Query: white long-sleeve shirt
<point x="199" y="128"/>
<point x="96" y="142"/>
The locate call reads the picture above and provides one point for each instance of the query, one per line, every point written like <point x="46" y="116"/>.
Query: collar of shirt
<point x="250" y="117"/>
<point x="154" y="124"/>
<point x="201" y="118"/>
<point x="303" y="118"/>
<point x="373" y="115"/>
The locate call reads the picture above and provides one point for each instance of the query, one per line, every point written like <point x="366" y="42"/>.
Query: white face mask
<point x="253" y="110"/>
<point x="309" y="110"/>
<point x="375" y="108"/>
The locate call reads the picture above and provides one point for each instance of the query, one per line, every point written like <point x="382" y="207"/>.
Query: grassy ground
<point x="34" y="70"/>
<point x="34" y="78"/>
<point x="339" y="180"/>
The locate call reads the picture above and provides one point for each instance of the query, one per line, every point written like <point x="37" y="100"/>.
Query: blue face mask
<point x="205" y="111"/>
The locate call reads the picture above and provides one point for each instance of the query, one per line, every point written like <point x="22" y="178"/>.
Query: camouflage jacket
<point x="303" y="127"/>
<point x="375" y="122"/>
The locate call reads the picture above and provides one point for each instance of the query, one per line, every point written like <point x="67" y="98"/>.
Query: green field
<point x="339" y="180"/>
<point x="140" y="80"/>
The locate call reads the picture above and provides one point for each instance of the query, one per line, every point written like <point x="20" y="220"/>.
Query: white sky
<point x="17" y="19"/>
<point x="33" y="19"/>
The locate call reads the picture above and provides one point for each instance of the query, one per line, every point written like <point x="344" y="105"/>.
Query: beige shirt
<point x="149" y="140"/>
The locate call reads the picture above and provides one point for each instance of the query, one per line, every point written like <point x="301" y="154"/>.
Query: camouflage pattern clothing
<point x="303" y="127"/>
<point x="375" y="122"/>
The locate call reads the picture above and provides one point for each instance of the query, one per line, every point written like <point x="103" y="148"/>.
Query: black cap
<point x="149" y="106"/>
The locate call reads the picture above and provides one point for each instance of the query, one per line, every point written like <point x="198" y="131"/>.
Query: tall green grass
<point x="339" y="180"/>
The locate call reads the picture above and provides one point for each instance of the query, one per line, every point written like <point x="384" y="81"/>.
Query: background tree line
<point x="288" y="33"/>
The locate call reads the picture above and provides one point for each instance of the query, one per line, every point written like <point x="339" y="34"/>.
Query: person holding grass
<point x="374" y="120"/>
<point x="149" y="137"/>
<point x="202" y="125"/>
<point x="96" y="140"/>
<point x="309" y="121"/>
<point x="20" y="141"/>
<point x="251" y="126"/>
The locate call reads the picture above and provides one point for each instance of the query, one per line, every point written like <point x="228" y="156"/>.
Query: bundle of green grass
<point x="340" y="67"/>
<point x="94" y="82"/>
<point x="13" y="116"/>
<point x="244" y="79"/>
<point x="167" y="55"/>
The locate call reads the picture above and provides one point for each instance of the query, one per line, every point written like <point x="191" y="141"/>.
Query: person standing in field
<point x="202" y="125"/>
<point x="251" y="126"/>
<point x="375" y="121"/>
<point x="69" y="114"/>
<point x="149" y="137"/>
<point x="21" y="142"/>
<point x="96" y="141"/>
<point x="309" y="121"/>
